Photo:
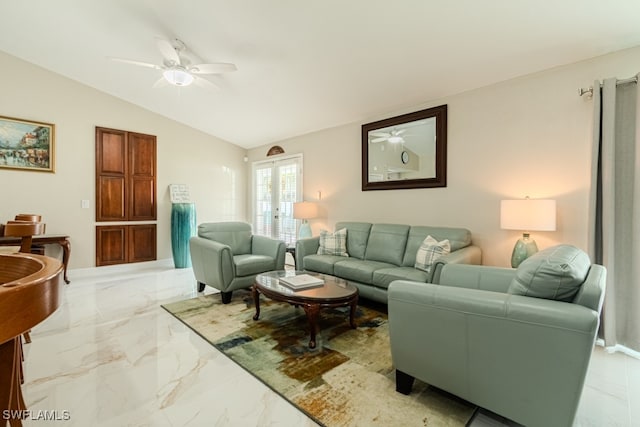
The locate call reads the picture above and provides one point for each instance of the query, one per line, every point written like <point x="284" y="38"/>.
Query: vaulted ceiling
<point x="308" y="65"/>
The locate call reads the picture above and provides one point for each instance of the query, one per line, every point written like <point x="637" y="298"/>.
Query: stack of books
<point x="301" y="281"/>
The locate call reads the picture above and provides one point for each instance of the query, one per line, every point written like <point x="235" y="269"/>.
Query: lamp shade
<point x="305" y="210"/>
<point x="528" y="214"/>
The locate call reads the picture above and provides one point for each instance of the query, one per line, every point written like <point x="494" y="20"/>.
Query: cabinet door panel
<point x="142" y="177"/>
<point x="142" y="152"/>
<point x="111" y="198"/>
<point x="111" y="151"/>
<point x="143" y="203"/>
<point x="111" y="245"/>
<point x="142" y="242"/>
<point x="111" y="173"/>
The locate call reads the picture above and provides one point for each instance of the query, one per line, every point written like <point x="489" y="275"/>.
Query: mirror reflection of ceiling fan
<point x="176" y="67"/>
<point x="394" y="136"/>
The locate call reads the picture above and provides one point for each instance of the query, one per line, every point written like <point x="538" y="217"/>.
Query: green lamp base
<point x="525" y="247"/>
<point x="305" y="231"/>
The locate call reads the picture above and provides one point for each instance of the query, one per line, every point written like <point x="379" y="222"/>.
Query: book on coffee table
<point x="301" y="281"/>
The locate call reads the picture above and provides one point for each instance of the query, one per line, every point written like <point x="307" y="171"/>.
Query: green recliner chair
<point x="514" y="341"/>
<point x="226" y="256"/>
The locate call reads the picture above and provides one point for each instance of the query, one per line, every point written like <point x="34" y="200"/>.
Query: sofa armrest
<point x="306" y="247"/>
<point x="484" y="346"/>
<point x="467" y="255"/>
<point x="212" y="262"/>
<point x="263" y="245"/>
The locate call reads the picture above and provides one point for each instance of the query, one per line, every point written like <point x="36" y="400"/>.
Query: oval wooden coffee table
<point x="334" y="292"/>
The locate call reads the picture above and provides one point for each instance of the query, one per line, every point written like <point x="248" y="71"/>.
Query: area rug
<point x="348" y="380"/>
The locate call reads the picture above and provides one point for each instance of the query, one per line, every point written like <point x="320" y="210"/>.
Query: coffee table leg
<point x="312" y="311"/>
<point x="256" y="301"/>
<point x="352" y="313"/>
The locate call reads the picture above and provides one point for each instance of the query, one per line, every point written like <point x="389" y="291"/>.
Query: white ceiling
<point x="307" y="65"/>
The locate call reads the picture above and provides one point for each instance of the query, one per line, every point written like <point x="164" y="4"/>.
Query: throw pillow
<point x="555" y="273"/>
<point x="333" y="243"/>
<point x="430" y="250"/>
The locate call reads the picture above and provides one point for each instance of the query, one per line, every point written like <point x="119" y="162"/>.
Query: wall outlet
<point x="85" y="204"/>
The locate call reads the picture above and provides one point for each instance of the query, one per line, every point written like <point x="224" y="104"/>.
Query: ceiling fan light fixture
<point x="395" y="139"/>
<point x="178" y="77"/>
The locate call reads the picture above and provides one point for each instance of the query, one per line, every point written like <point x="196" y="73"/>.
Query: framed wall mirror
<point x="407" y="151"/>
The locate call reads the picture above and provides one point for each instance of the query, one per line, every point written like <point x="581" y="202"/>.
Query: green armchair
<point x="226" y="256"/>
<point x="515" y="342"/>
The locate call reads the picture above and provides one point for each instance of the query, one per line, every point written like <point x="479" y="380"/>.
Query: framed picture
<point x="26" y="145"/>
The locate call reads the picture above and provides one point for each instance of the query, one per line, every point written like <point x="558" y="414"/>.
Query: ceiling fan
<point x="177" y="68"/>
<point x="394" y="136"/>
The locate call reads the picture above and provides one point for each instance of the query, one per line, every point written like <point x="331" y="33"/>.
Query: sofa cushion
<point x="333" y="243"/>
<point x="247" y="265"/>
<point x="357" y="237"/>
<point x="458" y="238"/>
<point x="236" y="235"/>
<point x="384" y="276"/>
<point x="430" y="250"/>
<point x="554" y="273"/>
<point x="387" y="243"/>
<point x="358" y="270"/>
<point x="321" y="263"/>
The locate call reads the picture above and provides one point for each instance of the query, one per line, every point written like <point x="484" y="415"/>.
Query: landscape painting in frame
<point x="26" y="145"/>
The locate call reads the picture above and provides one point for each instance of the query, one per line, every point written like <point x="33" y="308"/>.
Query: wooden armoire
<point x="125" y="197"/>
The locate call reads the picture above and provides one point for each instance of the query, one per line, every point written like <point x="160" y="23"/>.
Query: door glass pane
<point x="288" y="195"/>
<point x="263" y="185"/>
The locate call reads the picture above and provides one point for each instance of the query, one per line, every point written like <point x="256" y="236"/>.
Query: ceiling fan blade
<point x="168" y="51"/>
<point x="384" y="138"/>
<point x="161" y="82"/>
<point x="380" y="134"/>
<point x="130" y="61"/>
<point x="217" y="68"/>
<point x="202" y="82"/>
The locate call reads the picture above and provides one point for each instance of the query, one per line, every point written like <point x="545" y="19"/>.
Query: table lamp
<point x="527" y="215"/>
<point x="305" y="211"/>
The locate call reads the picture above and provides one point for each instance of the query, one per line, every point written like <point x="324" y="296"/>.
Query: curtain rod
<point x="589" y="91"/>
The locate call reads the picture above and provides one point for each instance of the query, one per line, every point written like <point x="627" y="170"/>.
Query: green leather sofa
<point x="382" y="253"/>
<point x="515" y="342"/>
<point x="226" y="256"/>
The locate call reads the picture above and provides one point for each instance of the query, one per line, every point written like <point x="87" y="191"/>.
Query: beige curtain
<point x="615" y="207"/>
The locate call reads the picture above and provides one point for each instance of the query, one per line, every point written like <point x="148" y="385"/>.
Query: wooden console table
<point x="46" y="239"/>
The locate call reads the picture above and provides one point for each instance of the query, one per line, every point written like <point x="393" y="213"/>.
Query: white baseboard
<point x="618" y="348"/>
<point x="136" y="267"/>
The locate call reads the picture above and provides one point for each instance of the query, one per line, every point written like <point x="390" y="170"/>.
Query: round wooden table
<point x="334" y="292"/>
<point x="29" y="293"/>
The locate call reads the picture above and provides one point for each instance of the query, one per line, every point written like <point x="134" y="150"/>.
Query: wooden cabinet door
<point x="121" y="244"/>
<point x="111" y="245"/>
<point x="142" y="177"/>
<point x="125" y="176"/>
<point x="142" y="243"/>
<point x="111" y="175"/>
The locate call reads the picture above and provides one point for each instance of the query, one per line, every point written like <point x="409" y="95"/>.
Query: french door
<point x="277" y="185"/>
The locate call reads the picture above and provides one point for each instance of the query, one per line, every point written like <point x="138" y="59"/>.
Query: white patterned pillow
<point x="333" y="243"/>
<point x="430" y="250"/>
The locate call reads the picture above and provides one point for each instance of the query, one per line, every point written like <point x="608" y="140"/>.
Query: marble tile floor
<point x="111" y="356"/>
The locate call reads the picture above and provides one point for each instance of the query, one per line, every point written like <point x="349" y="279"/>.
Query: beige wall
<point x="213" y="169"/>
<point x="527" y="136"/>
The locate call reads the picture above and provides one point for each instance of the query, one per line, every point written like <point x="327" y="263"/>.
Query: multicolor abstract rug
<point x="347" y="380"/>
